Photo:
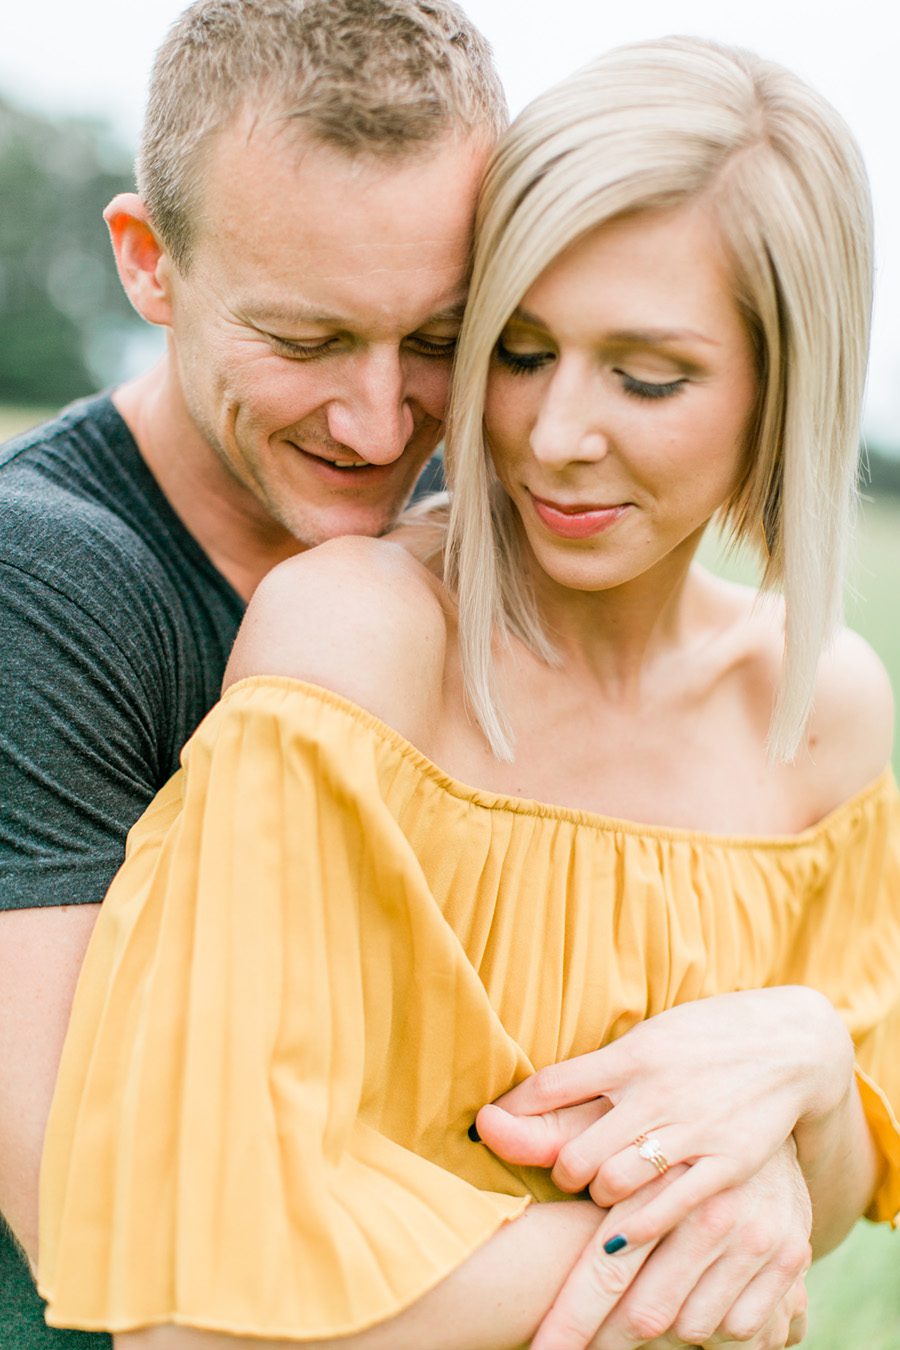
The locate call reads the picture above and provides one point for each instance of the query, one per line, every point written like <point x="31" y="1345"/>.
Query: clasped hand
<point x="716" y="1248"/>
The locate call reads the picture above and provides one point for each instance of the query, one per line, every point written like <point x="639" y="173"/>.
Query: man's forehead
<point x="386" y="249"/>
<point x="352" y="201"/>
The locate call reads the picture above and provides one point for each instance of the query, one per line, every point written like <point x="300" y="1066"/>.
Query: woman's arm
<point x="717" y="1084"/>
<point x="720" y="1084"/>
<point x="494" y="1301"/>
<point x="733" y="1280"/>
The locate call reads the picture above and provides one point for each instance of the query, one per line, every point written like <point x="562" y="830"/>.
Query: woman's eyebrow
<point x="652" y="337"/>
<point x="628" y="337"/>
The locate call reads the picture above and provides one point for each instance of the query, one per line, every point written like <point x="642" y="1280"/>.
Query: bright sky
<point x="93" y="57"/>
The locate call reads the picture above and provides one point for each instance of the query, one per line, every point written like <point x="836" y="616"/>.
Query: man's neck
<point x="231" y="527"/>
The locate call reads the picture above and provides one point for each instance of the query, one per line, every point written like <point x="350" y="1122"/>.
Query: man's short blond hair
<point x="381" y="77"/>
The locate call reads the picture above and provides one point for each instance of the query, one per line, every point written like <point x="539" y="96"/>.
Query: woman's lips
<point x="577" y="522"/>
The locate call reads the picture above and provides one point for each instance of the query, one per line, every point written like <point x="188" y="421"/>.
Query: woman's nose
<point x="570" y="422"/>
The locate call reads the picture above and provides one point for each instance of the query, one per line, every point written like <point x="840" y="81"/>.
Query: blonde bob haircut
<point x="650" y="126"/>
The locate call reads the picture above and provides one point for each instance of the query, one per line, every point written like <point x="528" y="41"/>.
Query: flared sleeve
<point x="849" y="949"/>
<point x="276" y="1050"/>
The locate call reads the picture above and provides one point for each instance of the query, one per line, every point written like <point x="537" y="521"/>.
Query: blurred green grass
<point x="13" y="419"/>
<point x="854" y="1292"/>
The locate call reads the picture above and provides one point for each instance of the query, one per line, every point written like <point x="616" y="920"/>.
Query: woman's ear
<point x="144" y="265"/>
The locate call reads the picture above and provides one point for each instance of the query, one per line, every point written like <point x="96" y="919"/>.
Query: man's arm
<point x="76" y="770"/>
<point x="41" y="951"/>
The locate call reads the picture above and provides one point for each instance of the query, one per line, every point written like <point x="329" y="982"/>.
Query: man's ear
<point x="145" y="268"/>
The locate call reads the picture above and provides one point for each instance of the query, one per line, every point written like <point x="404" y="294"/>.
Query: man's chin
<point x="370" y="522"/>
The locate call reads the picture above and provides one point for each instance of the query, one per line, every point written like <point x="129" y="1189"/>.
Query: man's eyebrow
<point x="630" y="337"/>
<point x="268" y="313"/>
<point x="271" y="314"/>
<point x="450" y="314"/>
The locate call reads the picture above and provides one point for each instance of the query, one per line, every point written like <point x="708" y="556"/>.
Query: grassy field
<point x="13" y="420"/>
<point x="855" y="1292"/>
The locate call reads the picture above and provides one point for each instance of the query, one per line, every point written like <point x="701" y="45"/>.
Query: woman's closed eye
<point x="527" y="362"/>
<point x="522" y="363"/>
<point x="649" y="388"/>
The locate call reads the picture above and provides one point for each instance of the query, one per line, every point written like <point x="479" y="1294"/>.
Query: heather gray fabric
<point x="114" y="632"/>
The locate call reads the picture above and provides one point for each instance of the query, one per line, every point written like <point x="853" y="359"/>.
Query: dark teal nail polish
<point x="615" y="1244"/>
<point x="473" y="1134"/>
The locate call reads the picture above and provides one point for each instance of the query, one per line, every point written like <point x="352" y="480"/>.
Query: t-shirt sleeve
<point x="77" y="754"/>
<point x="276" y="1050"/>
<point x="850" y="950"/>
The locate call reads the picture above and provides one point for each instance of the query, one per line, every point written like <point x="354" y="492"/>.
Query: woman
<point x="327" y="951"/>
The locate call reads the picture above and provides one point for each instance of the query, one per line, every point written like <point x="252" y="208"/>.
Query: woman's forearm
<point x="841" y="1166"/>
<point x="837" y="1155"/>
<point x="494" y="1301"/>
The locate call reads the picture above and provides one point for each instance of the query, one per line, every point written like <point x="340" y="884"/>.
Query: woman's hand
<point x="720" y="1083"/>
<point x="731" y="1272"/>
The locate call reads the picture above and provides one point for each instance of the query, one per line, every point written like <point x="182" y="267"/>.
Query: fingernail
<point x="473" y="1134"/>
<point x="615" y="1244"/>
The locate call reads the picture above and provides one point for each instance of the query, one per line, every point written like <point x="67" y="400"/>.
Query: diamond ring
<point x="649" y="1149"/>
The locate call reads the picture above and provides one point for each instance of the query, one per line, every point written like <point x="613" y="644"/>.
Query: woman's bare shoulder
<point x="359" y="616"/>
<point x="851" y="729"/>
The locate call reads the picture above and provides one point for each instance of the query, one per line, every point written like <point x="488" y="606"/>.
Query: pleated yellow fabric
<point x="323" y="955"/>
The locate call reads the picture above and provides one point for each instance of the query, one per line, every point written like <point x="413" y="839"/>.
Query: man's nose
<point x="571" y="421"/>
<point x="371" y="414"/>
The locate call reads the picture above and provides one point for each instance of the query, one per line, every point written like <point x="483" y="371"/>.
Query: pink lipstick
<point x="577" y="522"/>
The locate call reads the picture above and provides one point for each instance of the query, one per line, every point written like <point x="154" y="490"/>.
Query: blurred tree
<point x="62" y="312"/>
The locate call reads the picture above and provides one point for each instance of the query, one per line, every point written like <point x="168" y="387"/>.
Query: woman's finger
<point x="594" y="1074"/>
<point x="593" y="1288"/>
<point x="535" y="1141"/>
<point x="597" y="1157"/>
<point x="663" y="1210"/>
<point x="650" y="1309"/>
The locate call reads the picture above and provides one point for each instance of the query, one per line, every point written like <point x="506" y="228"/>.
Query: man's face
<point x="314" y="327"/>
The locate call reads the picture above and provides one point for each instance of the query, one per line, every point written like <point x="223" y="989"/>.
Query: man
<point x="306" y="186"/>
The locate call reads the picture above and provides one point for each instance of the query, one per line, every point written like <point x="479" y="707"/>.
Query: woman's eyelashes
<point x="647" y="388"/>
<point x="521" y="363"/>
<point x="525" y="363"/>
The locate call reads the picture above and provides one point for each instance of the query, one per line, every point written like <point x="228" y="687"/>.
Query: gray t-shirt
<point x="114" y="632"/>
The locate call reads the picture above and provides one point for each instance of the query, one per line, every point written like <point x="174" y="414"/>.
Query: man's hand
<point x="732" y="1271"/>
<point x="41" y="951"/>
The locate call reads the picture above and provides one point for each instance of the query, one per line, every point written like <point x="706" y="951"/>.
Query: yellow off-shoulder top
<point x="322" y="956"/>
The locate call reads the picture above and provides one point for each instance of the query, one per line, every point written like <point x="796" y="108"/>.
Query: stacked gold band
<point x="649" y="1148"/>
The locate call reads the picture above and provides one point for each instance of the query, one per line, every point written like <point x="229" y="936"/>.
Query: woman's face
<point x="619" y="399"/>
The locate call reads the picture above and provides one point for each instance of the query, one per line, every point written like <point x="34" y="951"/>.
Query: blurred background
<point x="72" y="83"/>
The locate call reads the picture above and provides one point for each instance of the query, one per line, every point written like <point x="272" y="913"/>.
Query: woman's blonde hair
<point x="650" y="126"/>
